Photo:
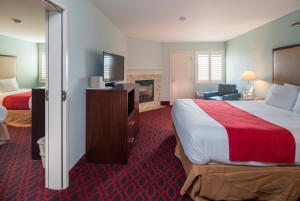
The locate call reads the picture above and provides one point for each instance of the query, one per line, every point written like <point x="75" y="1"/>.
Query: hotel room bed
<point x="19" y="108"/>
<point x="205" y="140"/>
<point x="203" y="147"/>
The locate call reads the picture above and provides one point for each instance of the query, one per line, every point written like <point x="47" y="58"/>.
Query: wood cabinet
<point x="112" y="122"/>
<point x="37" y="120"/>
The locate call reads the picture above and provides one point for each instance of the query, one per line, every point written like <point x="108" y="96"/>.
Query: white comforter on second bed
<point x="204" y="140"/>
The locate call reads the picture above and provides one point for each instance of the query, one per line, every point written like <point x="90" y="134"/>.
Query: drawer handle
<point x="131" y="139"/>
<point x="131" y="123"/>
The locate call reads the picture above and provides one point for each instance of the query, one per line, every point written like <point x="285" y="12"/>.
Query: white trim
<point x="143" y="71"/>
<point x="65" y="104"/>
<point x="57" y="171"/>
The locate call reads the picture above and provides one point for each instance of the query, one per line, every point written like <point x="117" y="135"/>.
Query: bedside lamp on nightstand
<point x="249" y="75"/>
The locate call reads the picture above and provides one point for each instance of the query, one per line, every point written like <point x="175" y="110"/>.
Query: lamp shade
<point x="248" y="75"/>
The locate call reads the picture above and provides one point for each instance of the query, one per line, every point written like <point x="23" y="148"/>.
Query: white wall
<point x="143" y="54"/>
<point x="169" y="47"/>
<point x="89" y="33"/>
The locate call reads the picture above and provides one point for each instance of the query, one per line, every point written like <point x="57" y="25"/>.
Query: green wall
<point x="253" y="51"/>
<point x="27" y="59"/>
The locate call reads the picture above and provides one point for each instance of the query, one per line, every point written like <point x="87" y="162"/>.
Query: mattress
<point x="205" y="140"/>
<point x="4" y="94"/>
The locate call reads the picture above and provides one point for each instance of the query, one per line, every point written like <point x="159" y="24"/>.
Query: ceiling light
<point x="296" y="24"/>
<point x="17" y="21"/>
<point x="182" y="19"/>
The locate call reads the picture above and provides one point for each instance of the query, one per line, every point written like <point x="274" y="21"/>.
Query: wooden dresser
<point x="37" y="121"/>
<point x="112" y="122"/>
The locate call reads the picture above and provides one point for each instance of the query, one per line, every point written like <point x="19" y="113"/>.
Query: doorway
<point x="181" y="75"/>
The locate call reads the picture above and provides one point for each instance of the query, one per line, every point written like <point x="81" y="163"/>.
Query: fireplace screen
<point x="146" y="90"/>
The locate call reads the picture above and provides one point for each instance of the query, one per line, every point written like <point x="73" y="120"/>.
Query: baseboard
<point x="164" y="102"/>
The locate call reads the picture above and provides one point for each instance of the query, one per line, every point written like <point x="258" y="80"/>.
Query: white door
<point x="181" y="75"/>
<point x="56" y="171"/>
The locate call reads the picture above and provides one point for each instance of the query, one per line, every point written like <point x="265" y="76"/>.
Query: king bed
<point x="17" y="101"/>
<point x="241" y="150"/>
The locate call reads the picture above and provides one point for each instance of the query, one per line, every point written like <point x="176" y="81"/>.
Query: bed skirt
<point x="18" y="118"/>
<point x="231" y="182"/>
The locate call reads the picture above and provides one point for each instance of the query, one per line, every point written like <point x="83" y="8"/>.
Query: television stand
<point x="112" y="123"/>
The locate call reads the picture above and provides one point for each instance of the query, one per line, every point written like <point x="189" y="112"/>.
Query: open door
<point x="56" y="135"/>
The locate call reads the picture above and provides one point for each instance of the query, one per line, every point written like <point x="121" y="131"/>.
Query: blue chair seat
<point x="225" y="92"/>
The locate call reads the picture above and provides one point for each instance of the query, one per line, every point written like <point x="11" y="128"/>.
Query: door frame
<point x="170" y="75"/>
<point x="57" y="170"/>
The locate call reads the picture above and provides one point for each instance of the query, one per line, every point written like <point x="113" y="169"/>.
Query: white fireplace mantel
<point x="143" y="71"/>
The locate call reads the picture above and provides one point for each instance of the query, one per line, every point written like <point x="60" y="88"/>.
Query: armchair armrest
<point x="206" y="95"/>
<point x="232" y="96"/>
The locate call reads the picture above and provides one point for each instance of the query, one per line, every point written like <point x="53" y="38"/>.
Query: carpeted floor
<point x="152" y="172"/>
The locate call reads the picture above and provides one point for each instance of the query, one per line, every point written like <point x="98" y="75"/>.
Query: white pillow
<point x="8" y="85"/>
<point x="297" y="105"/>
<point x="283" y="96"/>
<point x="287" y="84"/>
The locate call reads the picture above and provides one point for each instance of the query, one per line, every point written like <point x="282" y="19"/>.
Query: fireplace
<point x="137" y="75"/>
<point x="146" y="90"/>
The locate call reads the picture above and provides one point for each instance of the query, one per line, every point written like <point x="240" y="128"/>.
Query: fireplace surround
<point x="155" y="75"/>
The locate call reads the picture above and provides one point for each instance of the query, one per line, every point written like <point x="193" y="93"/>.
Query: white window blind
<point x="42" y="64"/>
<point x="209" y="67"/>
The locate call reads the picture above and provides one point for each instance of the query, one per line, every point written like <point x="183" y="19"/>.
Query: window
<point x="209" y="67"/>
<point x="42" y="63"/>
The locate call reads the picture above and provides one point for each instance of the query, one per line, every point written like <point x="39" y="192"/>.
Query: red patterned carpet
<point x="152" y="172"/>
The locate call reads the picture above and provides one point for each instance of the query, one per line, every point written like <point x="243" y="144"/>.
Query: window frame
<point x="42" y="63"/>
<point x="209" y="81"/>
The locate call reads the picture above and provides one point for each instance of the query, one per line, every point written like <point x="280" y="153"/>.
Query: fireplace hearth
<point x="146" y="90"/>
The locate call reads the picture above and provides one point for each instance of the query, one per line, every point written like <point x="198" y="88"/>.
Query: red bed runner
<point x="250" y="137"/>
<point x="17" y="101"/>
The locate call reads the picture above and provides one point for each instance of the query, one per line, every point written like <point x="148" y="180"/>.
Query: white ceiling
<point x="158" y="20"/>
<point x="206" y="20"/>
<point x="32" y="16"/>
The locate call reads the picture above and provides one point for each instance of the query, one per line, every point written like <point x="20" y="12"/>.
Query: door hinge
<point x="46" y="95"/>
<point x="64" y="95"/>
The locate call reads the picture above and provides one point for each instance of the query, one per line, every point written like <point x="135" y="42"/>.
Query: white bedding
<point x="204" y="140"/>
<point x="4" y="94"/>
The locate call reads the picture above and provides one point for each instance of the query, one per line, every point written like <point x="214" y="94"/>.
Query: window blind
<point x="42" y="64"/>
<point x="209" y="67"/>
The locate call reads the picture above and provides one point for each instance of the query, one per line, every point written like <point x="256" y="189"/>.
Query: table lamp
<point x="249" y="75"/>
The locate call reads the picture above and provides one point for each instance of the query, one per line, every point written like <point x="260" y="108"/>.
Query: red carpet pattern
<point x="152" y="172"/>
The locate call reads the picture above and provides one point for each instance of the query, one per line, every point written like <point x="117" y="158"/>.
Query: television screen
<point x="113" y="70"/>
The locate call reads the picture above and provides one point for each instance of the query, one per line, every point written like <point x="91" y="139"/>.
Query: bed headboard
<point x="8" y="66"/>
<point x="286" y="65"/>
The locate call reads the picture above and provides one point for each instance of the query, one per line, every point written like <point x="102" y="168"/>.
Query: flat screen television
<point x="113" y="68"/>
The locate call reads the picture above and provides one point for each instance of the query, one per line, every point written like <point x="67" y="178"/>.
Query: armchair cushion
<point x="224" y="89"/>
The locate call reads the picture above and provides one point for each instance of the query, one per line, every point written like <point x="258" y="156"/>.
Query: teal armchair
<point x="225" y="92"/>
